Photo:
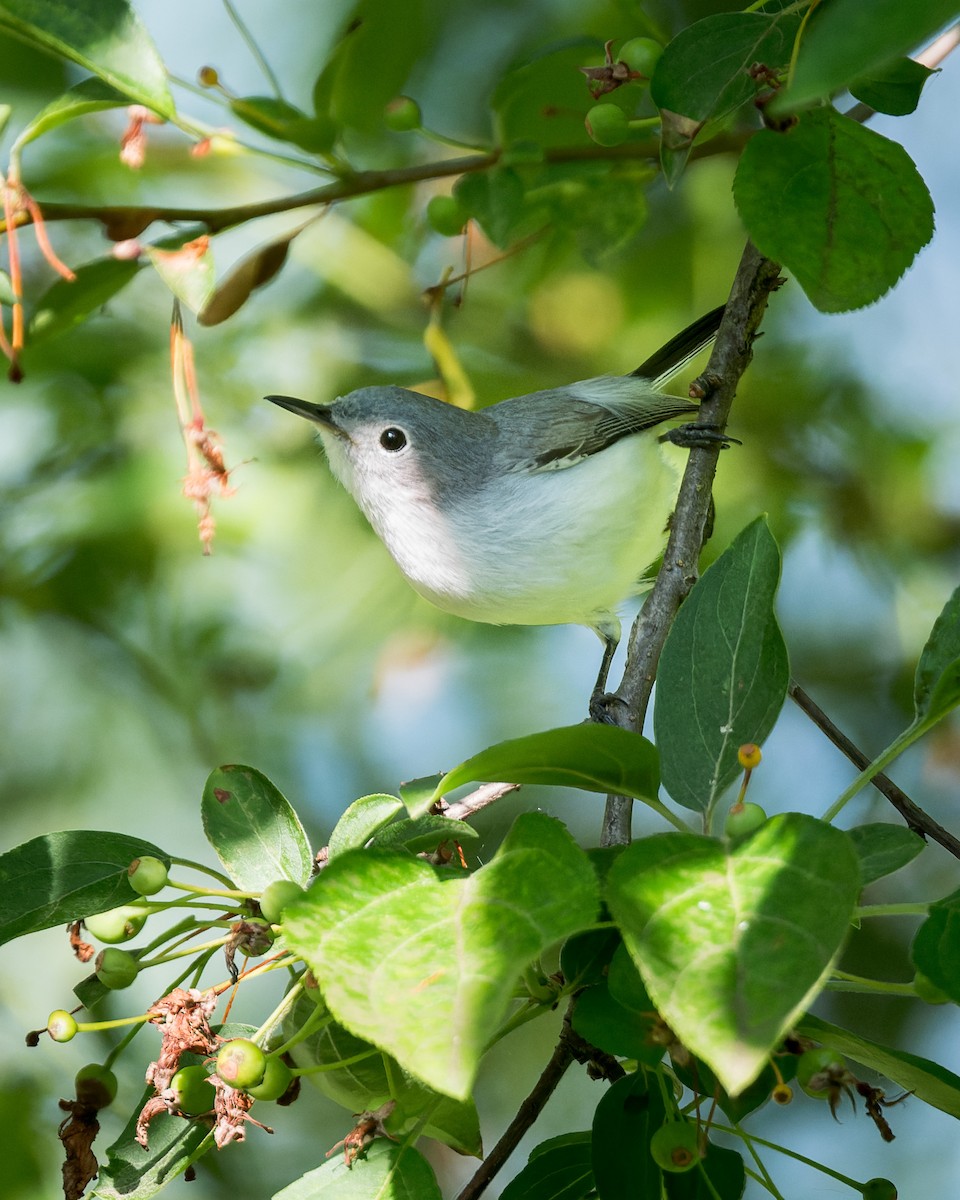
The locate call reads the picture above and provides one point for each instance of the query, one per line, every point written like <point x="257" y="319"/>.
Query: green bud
<point x="675" y="1147"/>
<point x="446" y="215"/>
<point x="743" y="819"/>
<point x="192" y="1091"/>
<point x="116" y="969"/>
<point x="641" y="55"/>
<point x="276" y="1079"/>
<point x="402" y="114"/>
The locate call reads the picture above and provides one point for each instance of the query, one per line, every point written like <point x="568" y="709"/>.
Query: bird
<point x="542" y="509"/>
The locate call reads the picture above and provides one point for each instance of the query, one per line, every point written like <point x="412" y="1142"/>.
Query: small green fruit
<point x="607" y="124"/>
<point x="402" y="114"/>
<point x="117" y="924"/>
<point x="193" y="1093"/>
<point x="147" y="875"/>
<point x="276" y="896"/>
<point x="816" y="1068"/>
<point x="879" y="1189"/>
<point x="676" y="1146"/>
<point x="116" y="969"/>
<point x="96" y="1085"/>
<point x="446" y="215"/>
<point x="641" y="54"/>
<point x="743" y="819"/>
<point x="61" y="1025"/>
<point x="241" y="1063"/>
<point x="275" y="1081"/>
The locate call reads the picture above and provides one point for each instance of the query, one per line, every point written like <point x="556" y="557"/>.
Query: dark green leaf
<point x="132" y="1172"/>
<point x="254" y="830"/>
<point x="927" y="1080"/>
<point x="936" y="947"/>
<point x="883" y="848"/>
<point x="67" y="303"/>
<point x="698" y="1077"/>
<point x="846" y="39"/>
<point x="585" y="957"/>
<point x="105" y="36"/>
<point x="544" y="101"/>
<point x="893" y="88"/>
<point x="725" y="1177"/>
<point x="604" y="1023"/>
<point x="434" y="997"/>
<point x="841" y="207"/>
<point x="734" y="942"/>
<point x="625" y="1120"/>
<point x="723" y="672"/>
<point x="362" y="820"/>
<point x="421" y="834"/>
<point x="936" y="688"/>
<point x="598" y="758"/>
<point x="285" y="123"/>
<point x="495" y="200"/>
<point x="559" y="1169"/>
<point x="625" y="984"/>
<point x="61" y="877"/>
<point x="386" y="1170"/>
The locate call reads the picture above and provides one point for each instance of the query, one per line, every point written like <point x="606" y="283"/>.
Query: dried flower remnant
<point x="369" y="1125"/>
<point x="609" y="77"/>
<point x="232" y="1112"/>
<point x="77" y="1133"/>
<point x="133" y="142"/>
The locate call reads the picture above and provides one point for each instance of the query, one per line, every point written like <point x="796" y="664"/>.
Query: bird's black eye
<point x="393" y="439"/>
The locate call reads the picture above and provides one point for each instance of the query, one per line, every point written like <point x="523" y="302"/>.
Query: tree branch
<point x="756" y="278"/>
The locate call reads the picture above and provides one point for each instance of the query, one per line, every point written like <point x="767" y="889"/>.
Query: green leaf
<point x="846" y="39"/>
<point x="558" y="1169"/>
<point x="284" y="122"/>
<point x="893" y="88"/>
<point x="495" y="200"/>
<point x="936" y="688"/>
<point x="841" y="207"/>
<point x="385" y="1171"/>
<point x="585" y="957"/>
<point x="67" y="303"/>
<point x="544" y="101"/>
<point x="698" y="1077"/>
<point x="254" y="830"/>
<point x="597" y="758"/>
<point x="105" y="36"/>
<point x="62" y="877"/>
<point x="936" y="946"/>
<point x="733" y="943"/>
<point x="361" y="821"/>
<point x="928" y="1081"/>
<point x="725" y="1177"/>
<point x="134" y="1173"/>
<point x="884" y="848"/>
<point x="604" y="1023"/>
<point x="249" y="274"/>
<point x="626" y="1118"/>
<point x="723" y="672"/>
<point x="418" y="835"/>
<point x="434" y="996"/>
<point x="419" y="795"/>
<point x="6" y="289"/>
<point x="186" y="270"/>
<point x="87" y="96"/>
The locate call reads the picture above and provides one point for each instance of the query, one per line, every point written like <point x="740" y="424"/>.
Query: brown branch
<point x="915" y="817"/>
<point x="756" y="278"/>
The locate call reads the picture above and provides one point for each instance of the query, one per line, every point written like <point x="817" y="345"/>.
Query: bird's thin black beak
<point x="321" y="414"/>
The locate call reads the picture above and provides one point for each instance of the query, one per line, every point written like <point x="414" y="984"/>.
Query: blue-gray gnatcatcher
<point x="540" y="510"/>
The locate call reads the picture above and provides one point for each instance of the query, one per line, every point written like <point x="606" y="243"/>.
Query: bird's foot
<point x="602" y="705"/>
<point x="691" y="435"/>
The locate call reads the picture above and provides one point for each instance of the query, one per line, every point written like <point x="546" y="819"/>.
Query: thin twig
<point x="915" y="817"/>
<point x="756" y="278"/>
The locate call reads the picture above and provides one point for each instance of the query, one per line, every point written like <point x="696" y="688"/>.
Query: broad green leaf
<point x="893" y="88"/>
<point x="187" y="270"/>
<point x="496" y="201"/>
<point x="385" y="1171"/>
<point x="846" y="39"/>
<point x="544" y="101"/>
<point x="87" y="96"/>
<point x="249" y="274"/>
<point x="597" y="758"/>
<point x="361" y="821"/>
<point x="927" y="1080"/>
<point x="420" y="795"/>
<point x="604" y="1023"/>
<point x="936" y="688"/>
<point x="725" y="1177"/>
<point x="254" y="830"/>
<point x="559" y="1169"/>
<point x="697" y="1075"/>
<point x="626" y="1118"/>
<point x="841" y="207"/>
<point x="105" y="36"/>
<point x="936" y="946"/>
<point x="626" y="986"/>
<point x="423" y="964"/>
<point x="723" y="672"/>
<point x="61" y="877"/>
<point x="585" y="957"/>
<point x="420" y="834"/>
<point x="67" y="303"/>
<point x="883" y="848"/>
<point x="283" y="121"/>
<point x="733" y="943"/>
<point x="134" y="1173"/>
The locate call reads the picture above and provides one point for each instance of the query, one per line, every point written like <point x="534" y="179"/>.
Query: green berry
<point x="275" y="1081"/>
<point x="817" y="1068"/>
<point x="743" y="819"/>
<point x="241" y="1063"/>
<point x="402" y="114"/>
<point x="676" y="1146"/>
<point x="446" y="215"/>
<point x="117" y="924"/>
<point x="61" y="1025"/>
<point x="193" y="1093"/>
<point x="96" y="1085"/>
<point x="879" y="1189"/>
<point x="147" y="875"/>
<point x="116" y="969"/>
<point x="641" y="54"/>
<point x="928" y="991"/>
<point x="276" y="896"/>
<point x="607" y="124"/>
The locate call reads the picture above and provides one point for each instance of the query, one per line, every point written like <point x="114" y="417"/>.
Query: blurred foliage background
<point x="131" y="665"/>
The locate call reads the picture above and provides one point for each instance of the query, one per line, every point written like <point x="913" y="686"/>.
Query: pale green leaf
<point x="361" y="821"/>
<point x="385" y="1171"/>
